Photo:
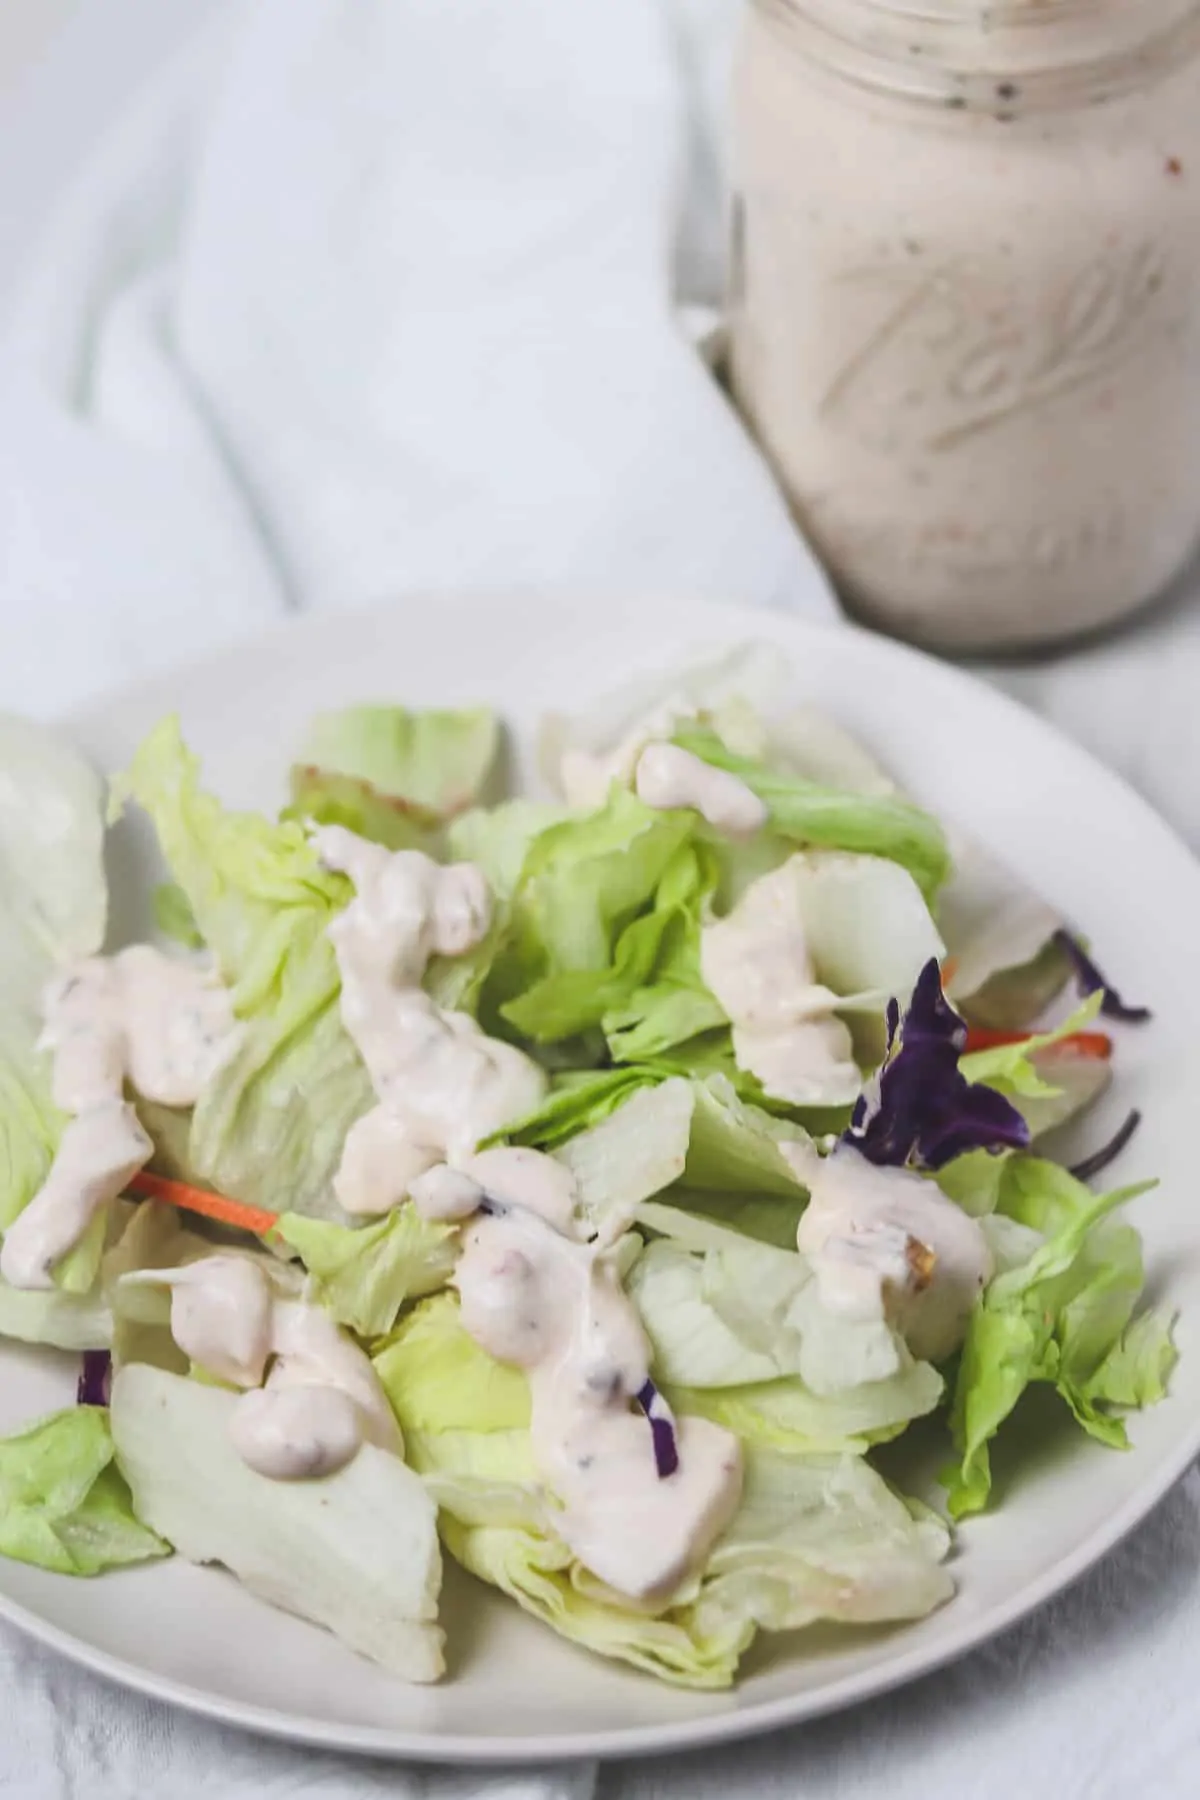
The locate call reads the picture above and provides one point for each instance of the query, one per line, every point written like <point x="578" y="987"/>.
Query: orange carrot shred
<point x="1094" y="1044"/>
<point x="198" y="1200"/>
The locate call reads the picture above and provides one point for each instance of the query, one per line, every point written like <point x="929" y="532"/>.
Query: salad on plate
<point x="587" y="1185"/>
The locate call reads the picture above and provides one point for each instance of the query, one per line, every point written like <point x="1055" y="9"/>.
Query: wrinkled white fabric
<point x="375" y="297"/>
<point x="367" y="300"/>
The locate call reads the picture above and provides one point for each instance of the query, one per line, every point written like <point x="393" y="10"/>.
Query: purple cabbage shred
<point x="662" y="1429"/>
<point x="1099" y="1160"/>
<point x="923" y="1112"/>
<point x="1091" y="981"/>
<point x="95" y="1379"/>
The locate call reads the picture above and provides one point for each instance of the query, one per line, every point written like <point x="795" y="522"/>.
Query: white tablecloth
<point x="171" y="336"/>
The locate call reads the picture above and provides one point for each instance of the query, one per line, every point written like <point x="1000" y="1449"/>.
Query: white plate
<point x="515" y="1692"/>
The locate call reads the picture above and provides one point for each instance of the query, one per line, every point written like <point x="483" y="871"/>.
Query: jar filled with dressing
<point x="965" y="319"/>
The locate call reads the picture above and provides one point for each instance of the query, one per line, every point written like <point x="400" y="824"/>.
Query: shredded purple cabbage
<point x="662" y="1429"/>
<point x="1099" y="1160"/>
<point x="1091" y="981"/>
<point x="923" y="1112"/>
<point x="95" y="1379"/>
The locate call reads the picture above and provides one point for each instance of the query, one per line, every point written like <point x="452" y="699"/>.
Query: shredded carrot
<point x="949" y="971"/>
<point x="199" y="1200"/>
<point x="1094" y="1044"/>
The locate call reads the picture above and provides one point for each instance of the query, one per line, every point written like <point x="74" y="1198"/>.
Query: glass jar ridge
<point x="970" y="54"/>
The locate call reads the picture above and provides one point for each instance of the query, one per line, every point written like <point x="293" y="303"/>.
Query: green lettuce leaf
<point x="741" y="1336"/>
<point x="53" y="911"/>
<point x="497" y="838"/>
<point x="1014" y="1069"/>
<point x="865" y="925"/>
<point x="1055" y="1318"/>
<point x="831" y="818"/>
<point x="438" y="1379"/>
<point x="174" y="917"/>
<point x="438" y="762"/>
<point x="582" y="883"/>
<point x="668" y="1015"/>
<point x="706" y="1220"/>
<point x="814" y="1537"/>
<point x="246" y="879"/>
<point x="668" y="1003"/>
<point x="391" y="775"/>
<point x="66" y="1321"/>
<point x="786" y="1416"/>
<point x="30" y="1128"/>
<point x="734" y="1146"/>
<point x="63" y="1504"/>
<point x="635" y="1153"/>
<point x="628" y="1133"/>
<point x="577" y="1101"/>
<point x="319" y="797"/>
<point x="270" y="1127"/>
<point x="1137" y="1368"/>
<point x="822" y="1538"/>
<point x="659" y="948"/>
<point x="356" y="1552"/>
<point x="363" y="1275"/>
<point x="30" y="1123"/>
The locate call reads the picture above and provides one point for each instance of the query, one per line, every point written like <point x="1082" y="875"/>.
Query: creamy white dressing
<point x="887" y="1243"/>
<point x="533" y="1293"/>
<point x="221" y="1309"/>
<point x="554" y="1306"/>
<point x="757" y="964"/>
<point x="300" y="1433"/>
<point x="161" y="1023"/>
<point x="312" y="1395"/>
<point x="441" y="1084"/>
<point x="586" y="776"/>
<point x="527" y="1178"/>
<point x="164" y="1026"/>
<point x="669" y="778"/>
<point x="99" y="1153"/>
<point x="446" y="1195"/>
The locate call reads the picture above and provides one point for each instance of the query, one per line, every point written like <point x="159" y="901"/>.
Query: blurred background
<point x="66" y="67"/>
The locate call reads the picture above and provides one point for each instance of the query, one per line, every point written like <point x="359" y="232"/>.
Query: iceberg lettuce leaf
<point x="63" y="1504"/>
<point x="53" y="911"/>
<point x="437" y="761"/>
<point x="356" y="1552"/>
<point x="270" y="1127"/>
<point x="363" y="1275"/>
<point x="814" y="1537"/>
<point x="1055" y="1318"/>
<point x="809" y="813"/>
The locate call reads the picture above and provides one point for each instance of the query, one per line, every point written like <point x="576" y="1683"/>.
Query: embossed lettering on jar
<point x="965" y="319"/>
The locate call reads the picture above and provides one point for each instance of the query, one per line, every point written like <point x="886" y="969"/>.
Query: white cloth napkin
<point x="378" y="297"/>
<point x="370" y="299"/>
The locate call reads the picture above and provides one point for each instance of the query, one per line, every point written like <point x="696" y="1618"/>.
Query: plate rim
<point x="758" y="1718"/>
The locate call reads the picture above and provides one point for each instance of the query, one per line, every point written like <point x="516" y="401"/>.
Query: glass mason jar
<point x="965" y="318"/>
